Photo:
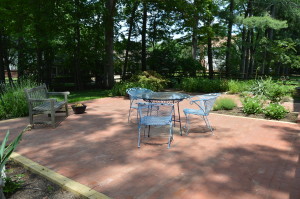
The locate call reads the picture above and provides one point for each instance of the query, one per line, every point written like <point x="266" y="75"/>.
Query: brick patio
<point x="247" y="158"/>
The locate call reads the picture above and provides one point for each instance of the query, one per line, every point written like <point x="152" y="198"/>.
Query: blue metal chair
<point x="135" y="96"/>
<point x="205" y="103"/>
<point x="155" y="114"/>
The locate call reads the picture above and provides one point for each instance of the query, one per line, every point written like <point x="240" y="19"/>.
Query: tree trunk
<point x="210" y="57"/>
<point x="243" y="70"/>
<point x="229" y="37"/>
<point x="49" y="60"/>
<point x="109" y="43"/>
<point x="2" y="64"/>
<point x="77" y="40"/>
<point x="144" y="29"/>
<point x="131" y="21"/>
<point x="195" y="38"/>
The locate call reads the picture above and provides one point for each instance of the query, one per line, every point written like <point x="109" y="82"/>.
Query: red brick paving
<point x="247" y="158"/>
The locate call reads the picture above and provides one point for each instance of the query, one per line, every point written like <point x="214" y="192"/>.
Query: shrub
<point x="276" y="93"/>
<point x="146" y="79"/>
<point x="275" y="111"/>
<point x="239" y="86"/>
<point x="271" y="90"/>
<point x="13" y="102"/>
<point x="252" y="105"/>
<point x="203" y="85"/>
<point x="224" y="104"/>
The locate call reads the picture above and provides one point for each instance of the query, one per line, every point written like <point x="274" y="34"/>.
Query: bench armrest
<point x="60" y="93"/>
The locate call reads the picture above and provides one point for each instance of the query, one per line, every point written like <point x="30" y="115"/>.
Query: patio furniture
<point x="155" y="114"/>
<point x="205" y="103"/>
<point x="39" y="102"/>
<point x="135" y="96"/>
<point x="167" y="97"/>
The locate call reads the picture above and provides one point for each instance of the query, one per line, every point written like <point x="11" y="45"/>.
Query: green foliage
<point x="146" y="79"/>
<point x="204" y="85"/>
<point x="270" y="90"/>
<point x="224" y="104"/>
<point x="13" y="102"/>
<point x="235" y="86"/>
<point x="277" y="92"/>
<point x="263" y="22"/>
<point x="12" y="185"/>
<point x="252" y="105"/>
<point x="275" y="111"/>
<point x="6" y="151"/>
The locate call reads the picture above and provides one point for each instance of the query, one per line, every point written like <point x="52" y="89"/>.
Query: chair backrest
<point x="160" y="112"/>
<point x="206" y="102"/>
<point x="39" y="92"/>
<point x="136" y="93"/>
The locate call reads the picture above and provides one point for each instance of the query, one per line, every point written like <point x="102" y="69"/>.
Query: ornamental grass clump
<point x="252" y="105"/>
<point x="224" y="104"/>
<point x="275" y="111"/>
<point x="13" y="102"/>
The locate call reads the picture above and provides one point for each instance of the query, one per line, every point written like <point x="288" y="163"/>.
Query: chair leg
<point x="31" y="118"/>
<point x="139" y="137"/>
<point x="187" y="124"/>
<point x="67" y="110"/>
<point x="129" y="114"/>
<point x="53" y="118"/>
<point x="171" y="135"/>
<point x="208" y="124"/>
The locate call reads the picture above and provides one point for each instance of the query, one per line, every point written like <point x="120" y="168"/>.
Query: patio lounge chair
<point x="135" y="96"/>
<point x="155" y="114"/>
<point x="205" y="103"/>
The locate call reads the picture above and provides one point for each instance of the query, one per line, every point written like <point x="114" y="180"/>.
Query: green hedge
<point x="146" y="79"/>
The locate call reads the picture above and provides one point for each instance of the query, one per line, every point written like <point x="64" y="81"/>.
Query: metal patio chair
<point x="135" y="96"/>
<point x="155" y="114"/>
<point x="205" y="103"/>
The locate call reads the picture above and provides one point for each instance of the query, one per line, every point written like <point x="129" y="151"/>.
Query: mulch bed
<point x="34" y="186"/>
<point x="238" y="111"/>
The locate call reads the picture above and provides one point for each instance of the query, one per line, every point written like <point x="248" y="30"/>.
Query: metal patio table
<point x="167" y="97"/>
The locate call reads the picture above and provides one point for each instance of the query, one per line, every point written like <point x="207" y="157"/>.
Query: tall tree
<point x="110" y="6"/>
<point x="229" y="36"/>
<point x="144" y="32"/>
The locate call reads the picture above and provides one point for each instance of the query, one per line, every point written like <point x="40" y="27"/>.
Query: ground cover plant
<point x="13" y="102"/>
<point x="78" y="96"/>
<point x="224" y="104"/>
<point x="252" y="105"/>
<point x="275" y="111"/>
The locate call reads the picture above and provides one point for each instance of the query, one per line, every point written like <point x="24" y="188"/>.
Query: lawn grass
<point x="78" y="96"/>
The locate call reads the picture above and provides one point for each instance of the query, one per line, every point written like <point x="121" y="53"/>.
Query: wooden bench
<point x="39" y="102"/>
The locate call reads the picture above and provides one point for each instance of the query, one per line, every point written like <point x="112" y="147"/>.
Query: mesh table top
<point x="169" y="97"/>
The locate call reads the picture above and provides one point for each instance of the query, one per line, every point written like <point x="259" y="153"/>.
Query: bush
<point x="276" y="93"/>
<point x="252" y="105"/>
<point x="224" y="104"/>
<point x="13" y="102"/>
<point x="275" y="111"/>
<point x="203" y="85"/>
<point x="239" y="86"/>
<point x="271" y="90"/>
<point x="146" y="79"/>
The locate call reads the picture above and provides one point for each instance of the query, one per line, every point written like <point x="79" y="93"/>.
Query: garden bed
<point x="34" y="186"/>
<point x="238" y="111"/>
